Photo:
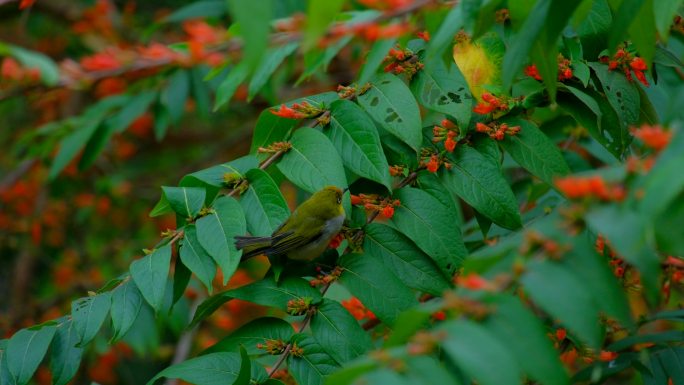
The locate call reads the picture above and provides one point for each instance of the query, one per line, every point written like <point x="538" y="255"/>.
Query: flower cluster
<point x="272" y="347"/>
<point x="357" y="309"/>
<point x="398" y="170"/>
<point x="275" y="147"/>
<point x="616" y="262"/>
<point x="497" y="131"/>
<point x="326" y="278"/>
<point x="491" y="103"/>
<point x="474" y="281"/>
<point x="535" y="241"/>
<point x="564" y="70"/>
<point x="377" y="203"/>
<point x="402" y="61"/>
<point x="432" y="161"/>
<point x="577" y="187"/>
<point x="299" y="306"/>
<point x="11" y="70"/>
<point x="425" y="35"/>
<point x="627" y="62"/>
<point x="446" y="132"/>
<point x="653" y="136"/>
<point x="302" y="110"/>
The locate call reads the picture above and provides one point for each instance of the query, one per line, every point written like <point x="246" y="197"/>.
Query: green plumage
<point x="305" y="234"/>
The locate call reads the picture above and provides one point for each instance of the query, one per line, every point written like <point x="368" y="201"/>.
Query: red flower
<point x="483" y="109"/>
<point x="638" y="64"/>
<point x="433" y="164"/>
<point x="533" y="72"/>
<point x="11" y="69"/>
<point x="201" y="32"/>
<point x="472" y="281"/>
<point x="356" y="200"/>
<point x="336" y="241"/>
<point x="560" y="334"/>
<point x="288" y="113"/>
<point x="156" y="51"/>
<point x="450" y="144"/>
<point x="439" y="315"/>
<point x="481" y="127"/>
<point x="26" y="3"/>
<point x="388" y="212"/>
<point x="104" y="60"/>
<point x="357" y="309"/>
<point x="425" y="35"/>
<point x="653" y="136"/>
<point x="607" y="356"/>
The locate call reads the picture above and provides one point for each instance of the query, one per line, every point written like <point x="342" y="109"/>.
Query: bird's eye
<point x="339" y="200"/>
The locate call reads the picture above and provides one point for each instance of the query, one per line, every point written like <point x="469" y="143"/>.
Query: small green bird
<point x="306" y="233"/>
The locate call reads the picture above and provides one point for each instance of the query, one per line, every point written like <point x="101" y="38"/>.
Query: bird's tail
<point x="253" y="246"/>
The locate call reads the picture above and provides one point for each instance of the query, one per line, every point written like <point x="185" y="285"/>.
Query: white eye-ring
<point x="339" y="200"/>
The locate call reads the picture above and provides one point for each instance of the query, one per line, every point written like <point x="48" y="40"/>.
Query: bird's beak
<point x="345" y="190"/>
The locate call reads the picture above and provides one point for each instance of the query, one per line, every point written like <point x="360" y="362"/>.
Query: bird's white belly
<point x="314" y="249"/>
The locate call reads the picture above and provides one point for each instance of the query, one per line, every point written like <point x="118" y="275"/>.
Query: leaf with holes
<point x="390" y="103"/>
<point x="89" y="314"/>
<point x="444" y="90"/>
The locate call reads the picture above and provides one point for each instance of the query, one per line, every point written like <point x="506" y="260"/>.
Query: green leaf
<point x="444" y="90"/>
<point x="88" y="314"/>
<point x="354" y="136"/>
<point x="315" y="59"/>
<point x="25" y="351"/>
<point x="264" y="206"/>
<point x="408" y="262"/>
<point x="314" y="364"/>
<point x="267" y="67"/>
<point x="175" y="94"/>
<point x="198" y="9"/>
<point x="270" y="129"/>
<point x="534" y="353"/>
<point x="150" y="274"/>
<point x="254" y="18"/>
<point x="71" y="145"/>
<point x="427" y="370"/>
<point x="422" y="218"/>
<point x="444" y="37"/>
<point x="547" y="285"/>
<point x="620" y="92"/>
<point x="216" y="234"/>
<point x="245" y="373"/>
<point x="5" y="375"/>
<point x="383" y="376"/>
<point x="480" y="183"/>
<point x="534" y="151"/>
<point x="185" y="201"/>
<point x="390" y="103"/>
<point x="642" y="30"/>
<point x="378" y="289"/>
<point x="338" y="333"/>
<point x="196" y="259"/>
<point x="210" y="369"/>
<point x="230" y="83"/>
<point x="213" y="176"/>
<point x="593" y="31"/>
<point x="596" y="274"/>
<point x="181" y="279"/>
<point x="266" y="292"/>
<point x="65" y="355"/>
<point x="126" y="303"/>
<point x="137" y="106"/>
<point x="664" y="182"/>
<point x="432" y="185"/>
<point x="473" y="348"/>
<point x="407" y="325"/>
<point x="312" y="163"/>
<point x="49" y="71"/>
<point x="664" y="13"/>
<point x="319" y="15"/>
<point x="376" y="55"/>
<point x="630" y="237"/>
<point x="258" y="331"/>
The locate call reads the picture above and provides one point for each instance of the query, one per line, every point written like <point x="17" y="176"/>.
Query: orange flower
<point x="483" y="108"/>
<point x="450" y="144"/>
<point x="533" y="72"/>
<point x="653" y="136"/>
<point x="336" y="241"/>
<point x="288" y="113"/>
<point x="473" y="281"/>
<point x="105" y="60"/>
<point x="356" y="200"/>
<point x="357" y="309"/>
<point x="110" y="86"/>
<point x="607" y="356"/>
<point x="387" y="212"/>
<point x="560" y="334"/>
<point x="201" y="32"/>
<point x="425" y="35"/>
<point x="26" y="3"/>
<point x="157" y="51"/>
<point x="433" y="164"/>
<point x="11" y="69"/>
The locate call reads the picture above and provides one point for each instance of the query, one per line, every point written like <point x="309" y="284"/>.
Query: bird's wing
<point x="289" y="242"/>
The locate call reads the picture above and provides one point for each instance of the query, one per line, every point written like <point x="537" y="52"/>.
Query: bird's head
<point x="327" y="202"/>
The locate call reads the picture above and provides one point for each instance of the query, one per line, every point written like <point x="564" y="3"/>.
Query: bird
<point x="305" y="235"/>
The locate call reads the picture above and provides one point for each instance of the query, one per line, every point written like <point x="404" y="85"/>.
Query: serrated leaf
<point x="185" y="201"/>
<point x="390" y="103"/>
<point x="338" y="332"/>
<point x="314" y="364"/>
<point x="444" y="90"/>
<point x="533" y="150"/>
<point x="480" y="183"/>
<point x="25" y="350"/>
<point x="473" y="348"/>
<point x="354" y="136"/>
<point x="269" y="63"/>
<point x="269" y="129"/>
<point x="312" y="163"/>
<point x="547" y="285"/>
<point x="534" y="353"/>
<point x="264" y="206"/>
<point x="210" y="369"/>
<point x="258" y="331"/>
<point x="89" y="314"/>
<point x="422" y="218"/>
<point x="126" y="304"/>
<point x="408" y="262"/>
<point x="65" y="355"/>
<point x="378" y="289"/>
<point x="150" y="274"/>
<point x="196" y="258"/>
